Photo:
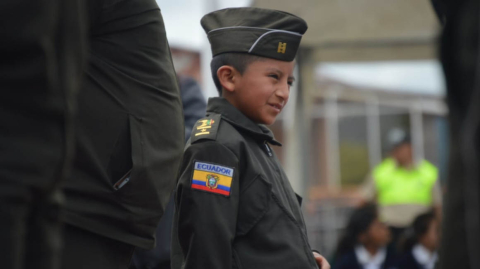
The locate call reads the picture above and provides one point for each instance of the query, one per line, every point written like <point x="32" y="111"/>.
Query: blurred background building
<point x="365" y="66"/>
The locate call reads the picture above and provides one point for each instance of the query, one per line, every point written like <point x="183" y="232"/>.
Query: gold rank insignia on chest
<point x="204" y="127"/>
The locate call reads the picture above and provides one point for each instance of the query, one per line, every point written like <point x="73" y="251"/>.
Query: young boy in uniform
<point x="235" y="207"/>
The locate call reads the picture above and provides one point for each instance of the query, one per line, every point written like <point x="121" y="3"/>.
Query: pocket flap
<point x="254" y="203"/>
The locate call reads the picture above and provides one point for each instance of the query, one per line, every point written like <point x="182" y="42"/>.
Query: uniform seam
<point x="305" y="240"/>
<point x="220" y="33"/>
<point x="279" y="175"/>
<point x="271" y="32"/>
<point x="250" y="184"/>
<point x="256" y="220"/>
<point x="261" y="215"/>
<point x="236" y="258"/>
<point x="248" y="28"/>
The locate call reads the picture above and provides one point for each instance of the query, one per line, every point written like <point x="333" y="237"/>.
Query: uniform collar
<point x="369" y="261"/>
<point x="424" y="256"/>
<point x="238" y="119"/>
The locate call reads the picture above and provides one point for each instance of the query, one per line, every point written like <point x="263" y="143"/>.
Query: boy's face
<point x="262" y="91"/>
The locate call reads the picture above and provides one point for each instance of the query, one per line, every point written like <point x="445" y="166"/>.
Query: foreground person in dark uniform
<point x="129" y="137"/>
<point x="235" y="207"/>
<point x="460" y="55"/>
<point x="194" y="107"/>
<point x="41" y="64"/>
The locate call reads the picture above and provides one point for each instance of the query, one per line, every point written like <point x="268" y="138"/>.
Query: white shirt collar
<point x="424" y="256"/>
<point x="368" y="261"/>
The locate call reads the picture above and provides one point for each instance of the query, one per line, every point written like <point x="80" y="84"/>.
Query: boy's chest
<point x="269" y="214"/>
<point x="264" y="166"/>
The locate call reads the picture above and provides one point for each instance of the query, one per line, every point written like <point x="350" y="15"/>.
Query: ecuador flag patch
<point x="212" y="178"/>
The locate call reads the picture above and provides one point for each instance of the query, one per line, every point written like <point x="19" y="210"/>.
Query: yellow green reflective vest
<point x="396" y="185"/>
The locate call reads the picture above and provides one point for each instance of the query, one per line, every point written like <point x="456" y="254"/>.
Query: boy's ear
<point x="226" y="75"/>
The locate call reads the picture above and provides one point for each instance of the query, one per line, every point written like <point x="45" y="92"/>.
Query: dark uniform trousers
<point x="130" y="136"/>
<point x="253" y="222"/>
<point x="42" y="46"/>
<point x="97" y="251"/>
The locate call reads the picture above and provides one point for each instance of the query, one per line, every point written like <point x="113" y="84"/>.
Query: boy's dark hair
<point x="359" y="222"/>
<point x="417" y="230"/>
<point x="239" y="61"/>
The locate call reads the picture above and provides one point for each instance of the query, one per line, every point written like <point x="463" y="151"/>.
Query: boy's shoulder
<point x="214" y="134"/>
<point x="214" y="128"/>
<point x="206" y="128"/>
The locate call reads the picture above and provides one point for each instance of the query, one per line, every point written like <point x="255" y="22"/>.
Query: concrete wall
<point x="364" y="30"/>
<point x="361" y="21"/>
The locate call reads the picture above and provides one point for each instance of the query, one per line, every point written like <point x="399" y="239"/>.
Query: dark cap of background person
<point x="262" y="32"/>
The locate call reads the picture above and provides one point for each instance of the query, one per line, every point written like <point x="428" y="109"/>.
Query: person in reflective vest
<point x="403" y="188"/>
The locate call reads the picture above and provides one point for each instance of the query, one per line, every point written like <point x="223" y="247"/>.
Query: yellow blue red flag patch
<point x="212" y="178"/>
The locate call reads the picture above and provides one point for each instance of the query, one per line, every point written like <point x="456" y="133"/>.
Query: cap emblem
<point x="282" y="47"/>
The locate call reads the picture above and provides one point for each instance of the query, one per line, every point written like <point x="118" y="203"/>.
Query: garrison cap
<point x="262" y="32"/>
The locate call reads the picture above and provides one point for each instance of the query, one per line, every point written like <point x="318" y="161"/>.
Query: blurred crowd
<point x="368" y="242"/>
<point x="398" y="224"/>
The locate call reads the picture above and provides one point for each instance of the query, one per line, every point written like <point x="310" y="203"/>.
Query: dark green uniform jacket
<point x="235" y="207"/>
<point x="41" y="64"/>
<point x="130" y="134"/>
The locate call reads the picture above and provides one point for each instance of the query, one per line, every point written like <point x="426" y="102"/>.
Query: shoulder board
<point x="206" y="128"/>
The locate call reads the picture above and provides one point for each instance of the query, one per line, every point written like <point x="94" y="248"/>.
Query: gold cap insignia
<point x="282" y="47"/>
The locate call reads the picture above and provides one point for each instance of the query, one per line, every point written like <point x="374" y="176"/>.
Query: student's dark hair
<point x="239" y="61"/>
<point x="417" y="230"/>
<point x="358" y="223"/>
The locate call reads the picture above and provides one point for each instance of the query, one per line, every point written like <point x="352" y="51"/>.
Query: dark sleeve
<point x="194" y="105"/>
<point x="128" y="43"/>
<point x="205" y="220"/>
<point x="41" y="64"/>
<point x="130" y="83"/>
